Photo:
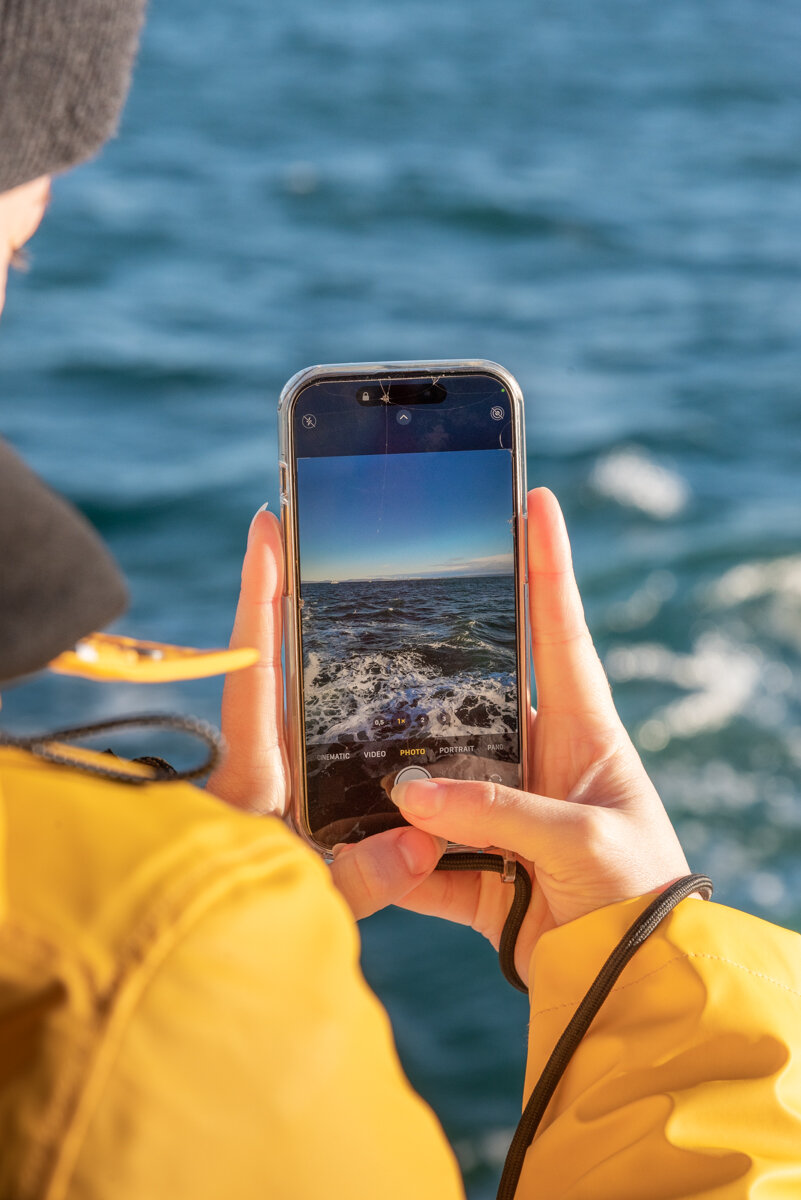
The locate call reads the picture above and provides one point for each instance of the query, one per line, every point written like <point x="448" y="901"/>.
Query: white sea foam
<point x="644" y="603"/>
<point x="767" y="889"/>
<point x="632" y="478"/>
<point x="342" y="698"/>
<point x="749" y="581"/>
<point x="720" y="676"/>
<point x="489" y="1149"/>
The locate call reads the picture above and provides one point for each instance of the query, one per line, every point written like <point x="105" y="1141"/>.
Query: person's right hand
<point x="253" y="774"/>
<point x="591" y="830"/>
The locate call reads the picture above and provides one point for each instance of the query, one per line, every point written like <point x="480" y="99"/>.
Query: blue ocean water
<point x="441" y="652"/>
<point x="425" y="667"/>
<point x="606" y="199"/>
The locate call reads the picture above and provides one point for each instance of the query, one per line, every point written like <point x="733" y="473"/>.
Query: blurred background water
<point x="603" y="197"/>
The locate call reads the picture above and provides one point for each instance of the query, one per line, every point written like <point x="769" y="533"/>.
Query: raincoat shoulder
<point x="181" y="1008"/>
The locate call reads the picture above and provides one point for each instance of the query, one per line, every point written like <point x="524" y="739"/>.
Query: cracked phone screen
<point x="408" y="591"/>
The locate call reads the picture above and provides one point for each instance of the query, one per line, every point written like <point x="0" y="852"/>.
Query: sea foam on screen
<point x="408" y="599"/>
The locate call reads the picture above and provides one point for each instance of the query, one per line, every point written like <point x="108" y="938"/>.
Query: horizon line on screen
<point x="454" y="574"/>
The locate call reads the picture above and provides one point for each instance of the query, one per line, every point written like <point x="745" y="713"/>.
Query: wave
<point x="384" y="697"/>
<point x="633" y="479"/>
<point x="720" y="678"/>
<point x="383" y="659"/>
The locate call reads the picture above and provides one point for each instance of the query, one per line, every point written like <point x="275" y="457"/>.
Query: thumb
<point x="481" y="814"/>
<point x="384" y="868"/>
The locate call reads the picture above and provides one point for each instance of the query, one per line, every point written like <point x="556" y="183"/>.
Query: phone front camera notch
<point x="403" y="393"/>
<point x="371" y="395"/>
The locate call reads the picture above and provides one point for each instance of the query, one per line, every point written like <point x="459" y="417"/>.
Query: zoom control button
<point x="408" y="774"/>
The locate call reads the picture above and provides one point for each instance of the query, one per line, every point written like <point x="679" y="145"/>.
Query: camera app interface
<point x="408" y="596"/>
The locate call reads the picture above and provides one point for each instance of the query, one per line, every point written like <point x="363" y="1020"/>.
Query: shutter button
<point x="407" y="774"/>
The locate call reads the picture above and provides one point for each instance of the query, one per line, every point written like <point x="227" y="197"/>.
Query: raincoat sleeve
<point x="688" y="1083"/>
<point x="182" y="1012"/>
<point x="259" y="1065"/>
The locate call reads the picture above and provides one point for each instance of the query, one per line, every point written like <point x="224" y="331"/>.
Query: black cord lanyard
<point x="42" y="746"/>
<point x="474" y="860"/>
<point x="587" y="1010"/>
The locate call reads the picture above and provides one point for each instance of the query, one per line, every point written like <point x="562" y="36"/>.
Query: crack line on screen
<point x="385" y="399"/>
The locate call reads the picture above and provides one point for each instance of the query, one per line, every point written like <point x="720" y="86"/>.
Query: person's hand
<point x="592" y="830"/>
<point x="254" y="775"/>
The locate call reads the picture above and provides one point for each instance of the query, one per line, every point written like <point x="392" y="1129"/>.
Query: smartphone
<point x="402" y="501"/>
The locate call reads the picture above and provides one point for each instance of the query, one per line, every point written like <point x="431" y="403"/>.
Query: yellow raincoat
<point x="182" y="1015"/>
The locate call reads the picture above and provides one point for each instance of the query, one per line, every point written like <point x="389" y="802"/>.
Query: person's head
<point x="65" y="68"/>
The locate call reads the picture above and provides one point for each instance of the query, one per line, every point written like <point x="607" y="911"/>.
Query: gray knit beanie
<point x="65" y="67"/>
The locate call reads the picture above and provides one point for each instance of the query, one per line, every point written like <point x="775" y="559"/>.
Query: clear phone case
<point x="355" y="372"/>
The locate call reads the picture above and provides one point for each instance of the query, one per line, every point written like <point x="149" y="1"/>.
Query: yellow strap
<point x="103" y="656"/>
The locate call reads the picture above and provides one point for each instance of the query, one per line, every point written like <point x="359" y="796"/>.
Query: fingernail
<point x="337" y="850"/>
<point x="415" y="849"/>
<point x="263" y="508"/>
<point x="422" y="798"/>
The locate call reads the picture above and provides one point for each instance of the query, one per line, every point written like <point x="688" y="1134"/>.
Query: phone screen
<point x="408" y="591"/>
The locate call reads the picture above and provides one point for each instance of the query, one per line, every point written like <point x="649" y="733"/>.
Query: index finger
<point x="253" y="775"/>
<point x="567" y="669"/>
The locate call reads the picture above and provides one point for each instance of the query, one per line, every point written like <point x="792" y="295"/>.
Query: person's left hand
<point x="254" y="774"/>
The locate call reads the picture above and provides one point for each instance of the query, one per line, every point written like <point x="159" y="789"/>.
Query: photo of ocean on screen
<point x="408" y="596"/>
<point x="385" y="659"/>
